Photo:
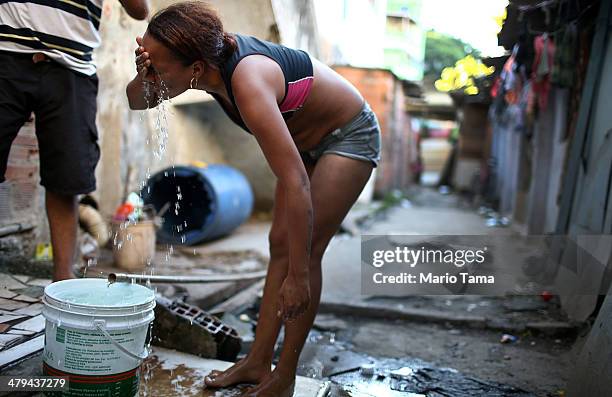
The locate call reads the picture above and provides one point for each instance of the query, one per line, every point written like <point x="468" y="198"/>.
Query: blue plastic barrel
<point x="201" y="202"/>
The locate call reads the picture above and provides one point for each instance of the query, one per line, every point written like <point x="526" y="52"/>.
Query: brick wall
<point x="19" y="192"/>
<point x="384" y="93"/>
<point x="21" y="200"/>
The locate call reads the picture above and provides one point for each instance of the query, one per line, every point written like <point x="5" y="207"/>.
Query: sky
<point x="469" y="20"/>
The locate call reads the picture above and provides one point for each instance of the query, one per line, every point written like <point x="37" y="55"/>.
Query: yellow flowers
<point x="462" y="75"/>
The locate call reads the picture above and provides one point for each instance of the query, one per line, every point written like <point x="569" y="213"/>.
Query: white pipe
<point x="212" y="278"/>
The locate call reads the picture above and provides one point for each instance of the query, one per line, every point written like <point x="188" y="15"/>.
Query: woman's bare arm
<point x="137" y="9"/>
<point x="135" y="90"/>
<point x="257" y="84"/>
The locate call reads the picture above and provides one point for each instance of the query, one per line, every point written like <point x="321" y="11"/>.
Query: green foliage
<point x="442" y="51"/>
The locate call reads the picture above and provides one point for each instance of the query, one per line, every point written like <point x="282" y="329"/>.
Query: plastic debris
<point x="44" y="252"/>
<point x="546" y="296"/>
<point x="402" y="373"/>
<point x="123" y="212"/>
<point x="507" y="338"/>
<point x="132" y="210"/>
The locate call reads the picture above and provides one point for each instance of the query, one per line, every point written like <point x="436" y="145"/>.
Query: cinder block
<point x="189" y="329"/>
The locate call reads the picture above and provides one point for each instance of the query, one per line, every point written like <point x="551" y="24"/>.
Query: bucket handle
<point x="100" y="325"/>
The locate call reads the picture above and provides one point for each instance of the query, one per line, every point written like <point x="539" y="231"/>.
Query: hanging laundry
<point x="511" y="79"/>
<point x="564" y="64"/>
<point x="542" y="68"/>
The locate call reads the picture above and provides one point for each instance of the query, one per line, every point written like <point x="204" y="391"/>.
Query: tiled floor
<point x="21" y="322"/>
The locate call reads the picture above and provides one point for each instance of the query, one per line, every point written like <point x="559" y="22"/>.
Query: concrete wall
<point x="123" y="133"/>
<point x="297" y="25"/>
<point x="236" y="147"/>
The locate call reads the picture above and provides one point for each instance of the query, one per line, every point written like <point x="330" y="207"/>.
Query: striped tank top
<point x="295" y="64"/>
<point x="64" y="30"/>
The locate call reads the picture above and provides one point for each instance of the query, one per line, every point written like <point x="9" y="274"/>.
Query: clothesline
<point x="564" y="26"/>
<point x="543" y="4"/>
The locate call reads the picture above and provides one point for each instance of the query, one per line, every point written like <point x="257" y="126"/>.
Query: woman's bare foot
<point x="275" y="384"/>
<point x="244" y="371"/>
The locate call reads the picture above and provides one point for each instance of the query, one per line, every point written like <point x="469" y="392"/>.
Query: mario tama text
<point x="491" y="265"/>
<point x="412" y="257"/>
<point x="431" y="278"/>
<point x="398" y="265"/>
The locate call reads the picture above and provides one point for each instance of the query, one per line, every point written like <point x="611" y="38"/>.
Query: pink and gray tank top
<point x="295" y="64"/>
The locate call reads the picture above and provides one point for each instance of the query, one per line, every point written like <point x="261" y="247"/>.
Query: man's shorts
<point x="358" y="139"/>
<point x="64" y="105"/>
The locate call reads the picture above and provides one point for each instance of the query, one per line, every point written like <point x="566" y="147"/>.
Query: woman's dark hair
<point x="193" y="31"/>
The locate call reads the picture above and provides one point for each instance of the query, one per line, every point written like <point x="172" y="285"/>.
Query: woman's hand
<point x="139" y="95"/>
<point x="294" y="297"/>
<point x="142" y="59"/>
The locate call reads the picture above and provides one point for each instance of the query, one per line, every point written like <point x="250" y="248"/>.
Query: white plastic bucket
<point x="96" y="335"/>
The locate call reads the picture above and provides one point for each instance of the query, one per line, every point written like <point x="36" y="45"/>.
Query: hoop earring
<point x="191" y="83"/>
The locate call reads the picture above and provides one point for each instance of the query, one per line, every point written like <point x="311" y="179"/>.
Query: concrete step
<point x="170" y="373"/>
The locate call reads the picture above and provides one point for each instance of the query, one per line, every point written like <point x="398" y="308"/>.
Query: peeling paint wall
<point x="297" y="25"/>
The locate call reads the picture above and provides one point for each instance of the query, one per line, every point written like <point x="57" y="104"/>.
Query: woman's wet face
<point x="166" y="71"/>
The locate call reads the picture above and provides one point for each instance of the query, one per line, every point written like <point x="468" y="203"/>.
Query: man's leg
<point x="62" y="214"/>
<point x="67" y="138"/>
<point x="14" y="107"/>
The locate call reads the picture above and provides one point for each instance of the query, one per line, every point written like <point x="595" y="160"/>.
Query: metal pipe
<point x="161" y="279"/>
<point x="14" y="228"/>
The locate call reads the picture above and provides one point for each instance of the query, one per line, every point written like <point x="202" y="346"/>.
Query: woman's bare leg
<point x="257" y="364"/>
<point x="335" y="185"/>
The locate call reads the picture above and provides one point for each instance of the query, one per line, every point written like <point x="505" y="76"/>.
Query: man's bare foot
<point x="244" y="371"/>
<point x="275" y="384"/>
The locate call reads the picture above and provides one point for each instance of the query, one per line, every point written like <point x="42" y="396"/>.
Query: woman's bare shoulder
<point x="259" y="69"/>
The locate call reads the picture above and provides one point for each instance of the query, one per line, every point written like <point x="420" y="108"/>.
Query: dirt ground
<point x="534" y="363"/>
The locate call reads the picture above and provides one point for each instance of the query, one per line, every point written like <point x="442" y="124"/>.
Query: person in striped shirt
<point x="47" y="67"/>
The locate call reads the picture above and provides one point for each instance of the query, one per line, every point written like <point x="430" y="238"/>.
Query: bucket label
<point x="94" y="365"/>
<point x="87" y="352"/>
<point x="115" y="385"/>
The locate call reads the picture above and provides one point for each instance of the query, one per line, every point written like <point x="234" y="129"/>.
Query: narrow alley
<point x="306" y="198"/>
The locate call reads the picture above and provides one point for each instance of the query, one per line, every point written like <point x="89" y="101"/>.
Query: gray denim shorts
<point x="358" y="139"/>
